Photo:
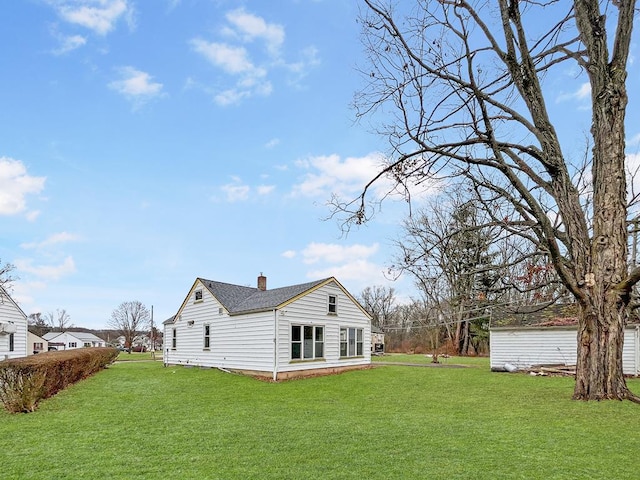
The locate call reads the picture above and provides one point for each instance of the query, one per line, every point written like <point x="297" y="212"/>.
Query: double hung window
<point x="351" y="342"/>
<point x="207" y="336"/>
<point x="307" y="342"/>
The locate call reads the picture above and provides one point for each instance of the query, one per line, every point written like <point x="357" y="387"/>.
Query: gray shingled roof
<point x="237" y="299"/>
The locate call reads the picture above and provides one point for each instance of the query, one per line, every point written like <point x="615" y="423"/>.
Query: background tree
<point x="129" y="319"/>
<point x="450" y="251"/>
<point x="380" y="302"/>
<point x="59" y="321"/>
<point x="459" y="90"/>
<point x="6" y="276"/>
<point x="37" y="324"/>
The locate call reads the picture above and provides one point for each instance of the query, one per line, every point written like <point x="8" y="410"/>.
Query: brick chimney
<point x="262" y="282"/>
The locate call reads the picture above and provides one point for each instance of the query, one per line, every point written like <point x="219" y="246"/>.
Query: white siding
<point x="11" y="313"/>
<point x="248" y="342"/>
<point x="311" y="309"/>
<point x="526" y="347"/>
<point x="243" y="342"/>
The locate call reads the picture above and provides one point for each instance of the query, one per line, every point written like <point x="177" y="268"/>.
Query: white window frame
<point x="351" y="342"/>
<point x="197" y="296"/>
<point x="206" y="336"/>
<point x="332" y="306"/>
<point x="174" y="339"/>
<point x="307" y="351"/>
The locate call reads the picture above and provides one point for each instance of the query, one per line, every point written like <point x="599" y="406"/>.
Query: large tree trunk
<point x="600" y="340"/>
<point x="604" y="307"/>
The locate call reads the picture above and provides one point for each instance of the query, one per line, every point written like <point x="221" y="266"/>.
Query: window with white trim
<point x="73" y="344"/>
<point x="207" y="336"/>
<point x="11" y="342"/>
<point x="351" y="342"/>
<point x="197" y="296"/>
<point x="307" y="342"/>
<point x="174" y="339"/>
<point x="332" y="305"/>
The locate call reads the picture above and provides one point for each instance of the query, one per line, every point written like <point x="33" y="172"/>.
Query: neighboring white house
<point x="315" y="327"/>
<point x="71" y="340"/>
<point x="36" y="344"/>
<point x="13" y="328"/>
<point x="524" y="347"/>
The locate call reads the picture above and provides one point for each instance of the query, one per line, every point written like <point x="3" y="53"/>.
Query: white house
<point x="524" y="347"/>
<point x="13" y="328"/>
<point x="71" y="340"/>
<point x="316" y="327"/>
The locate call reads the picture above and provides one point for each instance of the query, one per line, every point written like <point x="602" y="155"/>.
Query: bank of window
<point x="87" y="344"/>
<point x="207" y="336"/>
<point x="38" y="346"/>
<point x="174" y="338"/>
<point x="333" y="305"/>
<point x="11" y="342"/>
<point x="351" y="342"/>
<point x="307" y="342"/>
<point x="73" y="344"/>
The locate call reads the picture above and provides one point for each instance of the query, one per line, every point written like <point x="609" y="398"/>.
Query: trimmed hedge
<point x="27" y="380"/>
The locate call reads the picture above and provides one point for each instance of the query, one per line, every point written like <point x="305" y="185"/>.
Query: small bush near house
<point x="25" y="381"/>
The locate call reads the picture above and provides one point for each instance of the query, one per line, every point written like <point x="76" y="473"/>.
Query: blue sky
<point x="144" y="144"/>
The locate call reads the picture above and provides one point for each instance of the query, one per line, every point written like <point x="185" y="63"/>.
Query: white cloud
<point x="231" y="59"/>
<point x="236" y="192"/>
<point x="361" y="271"/>
<point x="583" y="93"/>
<point x="47" y="272"/>
<point x="329" y="174"/>
<point x="274" y="142"/>
<point x="335" y="253"/>
<point x="15" y="185"/>
<point x="136" y="85"/>
<point x="289" y="254"/>
<point x="99" y="16"/>
<point x="55" y="239"/>
<point x="251" y="27"/>
<point x="242" y="32"/>
<point x="265" y="189"/>
<point x="234" y="60"/>
<point x="69" y="43"/>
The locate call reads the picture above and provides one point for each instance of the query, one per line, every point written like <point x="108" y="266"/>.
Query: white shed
<point x="13" y="328"/>
<point x="311" y="328"/>
<point x="524" y="347"/>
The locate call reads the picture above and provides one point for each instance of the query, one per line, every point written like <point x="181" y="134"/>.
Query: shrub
<point x="25" y="381"/>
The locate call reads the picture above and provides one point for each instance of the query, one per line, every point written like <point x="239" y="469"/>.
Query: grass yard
<point x="140" y="420"/>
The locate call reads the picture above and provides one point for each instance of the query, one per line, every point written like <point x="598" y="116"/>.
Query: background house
<point x="13" y="328"/>
<point x="70" y="340"/>
<point x="377" y="340"/>
<point x="316" y="327"/>
<point x="36" y="344"/>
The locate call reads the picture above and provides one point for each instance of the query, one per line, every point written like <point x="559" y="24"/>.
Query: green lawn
<point x="142" y="420"/>
<point x="137" y="356"/>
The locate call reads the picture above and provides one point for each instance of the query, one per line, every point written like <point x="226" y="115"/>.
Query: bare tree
<point x="6" y="277"/>
<point x="37" y="324"/>
<point x="129" y="319"/>
<point x="459" y="90"/>
<point x="60" y="320"/>
<point x="379" y="301"/>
